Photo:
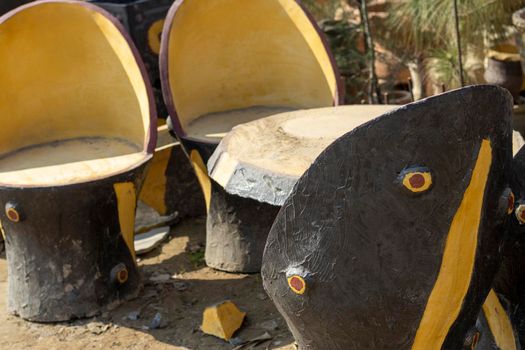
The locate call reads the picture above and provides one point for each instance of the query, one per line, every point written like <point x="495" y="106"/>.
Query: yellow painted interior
<point x="67" y="72"/>
<point x="222" y="320"/>
<point x="202" y="175"/>
<point x="153" y="191"/>
<point x="499" y="322"/>
<point x="451" y="286"/>
<point x="127" y="203"/>
<point x="428" y="181"/>
<point x="233" y="54"/>
<point x="154" y="33"/>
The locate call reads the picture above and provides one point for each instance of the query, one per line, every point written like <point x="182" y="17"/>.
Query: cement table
<point x="254" y="169"/>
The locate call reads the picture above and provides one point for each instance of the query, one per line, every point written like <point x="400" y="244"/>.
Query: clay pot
<point x="504" y="69"/>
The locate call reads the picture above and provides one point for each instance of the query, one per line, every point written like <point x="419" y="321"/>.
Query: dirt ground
<point x="180" y="301"/>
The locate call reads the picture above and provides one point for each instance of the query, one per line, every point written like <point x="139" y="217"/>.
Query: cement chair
<point x="393" y="237"/>
<point x="227" y="62"/>
<point x="78" y="129"/>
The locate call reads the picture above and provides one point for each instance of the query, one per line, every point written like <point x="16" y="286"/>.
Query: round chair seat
<point x="263" y="159"/>
<point x="214" y="126"/>
<point x="69" y="161"/>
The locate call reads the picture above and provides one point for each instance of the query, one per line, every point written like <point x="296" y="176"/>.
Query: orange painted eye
<point x="122" y="275"/>
<point x="520" y="213"/>
<point x="297" y="284"/>
<point x="416" y="180"/>
<point x="12" y="212"/>
<point x="119" y="274"/>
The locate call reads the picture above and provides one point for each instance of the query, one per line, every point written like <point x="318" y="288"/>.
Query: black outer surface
<point x="205" y="149"/>
<point x="369" y="250"/>
<point x="8" y="5"/>
<point x="510" y="280"/>
<point x="61" y="254"/>
<point x="236" y="227"/>
<point x="183" y="193"/>
<point x="137" y="17"/>
<point x="236" y="231"/>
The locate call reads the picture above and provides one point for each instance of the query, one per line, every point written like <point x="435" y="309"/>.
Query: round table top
<point x="263" y="159"/>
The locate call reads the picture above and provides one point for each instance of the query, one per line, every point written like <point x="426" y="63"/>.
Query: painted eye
<point x="119" y="274"/>
<point x="416" y="180"/>
<point x="520" y="213"/>
<point x="297" y="284"/>
<point x="12" y="212"/>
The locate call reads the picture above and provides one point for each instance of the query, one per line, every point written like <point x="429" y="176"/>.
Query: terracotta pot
<point x="504" y="69"/>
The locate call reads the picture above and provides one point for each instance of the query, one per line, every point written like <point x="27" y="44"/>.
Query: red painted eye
<point x="11" y="212"/>
<point x="297" y="284"/>
<point x="417" y="179"/>
<point x="122" y="275"/>
<point x="13" y="215"/>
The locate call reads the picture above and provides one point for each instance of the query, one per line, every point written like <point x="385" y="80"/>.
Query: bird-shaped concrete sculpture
<point x="392" y="238"/>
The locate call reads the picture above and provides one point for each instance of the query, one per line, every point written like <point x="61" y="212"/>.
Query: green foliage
<point x="343" y="38"/>
<point x="425" y="28"/>
<point x="197" y="258"/>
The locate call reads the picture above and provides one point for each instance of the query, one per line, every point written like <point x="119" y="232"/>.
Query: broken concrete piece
<point x="146" y="242"/>
<point x="147" y="218"/>
<point x="222" y="320"/>
<point x="253" y="342"/>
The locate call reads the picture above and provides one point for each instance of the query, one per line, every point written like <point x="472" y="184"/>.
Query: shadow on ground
<point x="179" y="300"/>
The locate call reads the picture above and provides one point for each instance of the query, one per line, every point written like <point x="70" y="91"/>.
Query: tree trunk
<point x="417" y="74"/>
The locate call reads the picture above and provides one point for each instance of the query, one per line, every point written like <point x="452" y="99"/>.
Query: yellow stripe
<point x="2" y="230"/>
<point x="202" y="174"/>
<point x="499" y="323"/>
<point x="127" y="202"/>
<point x="154" y="36"/>
<point x="153" y="191"/>
<point x="444" y="303"/>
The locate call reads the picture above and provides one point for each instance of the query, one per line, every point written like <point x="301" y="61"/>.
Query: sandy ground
<point x="179" y="300"/>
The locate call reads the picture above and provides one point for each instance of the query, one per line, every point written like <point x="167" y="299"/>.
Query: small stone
<point x="236" y="341"/>
<point x="180" y="286"/>
<point x="194" y="247"/>
<point x="156" y="322"/>
<point x="134" y="315"/>
<point x="262" y="296"/>
<point x="269" y="325"/>
<point x="151" y="294"/>
<point x="98" y="328"/>
<point x="161" y="278"/>
<point x="222" y="320"/>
